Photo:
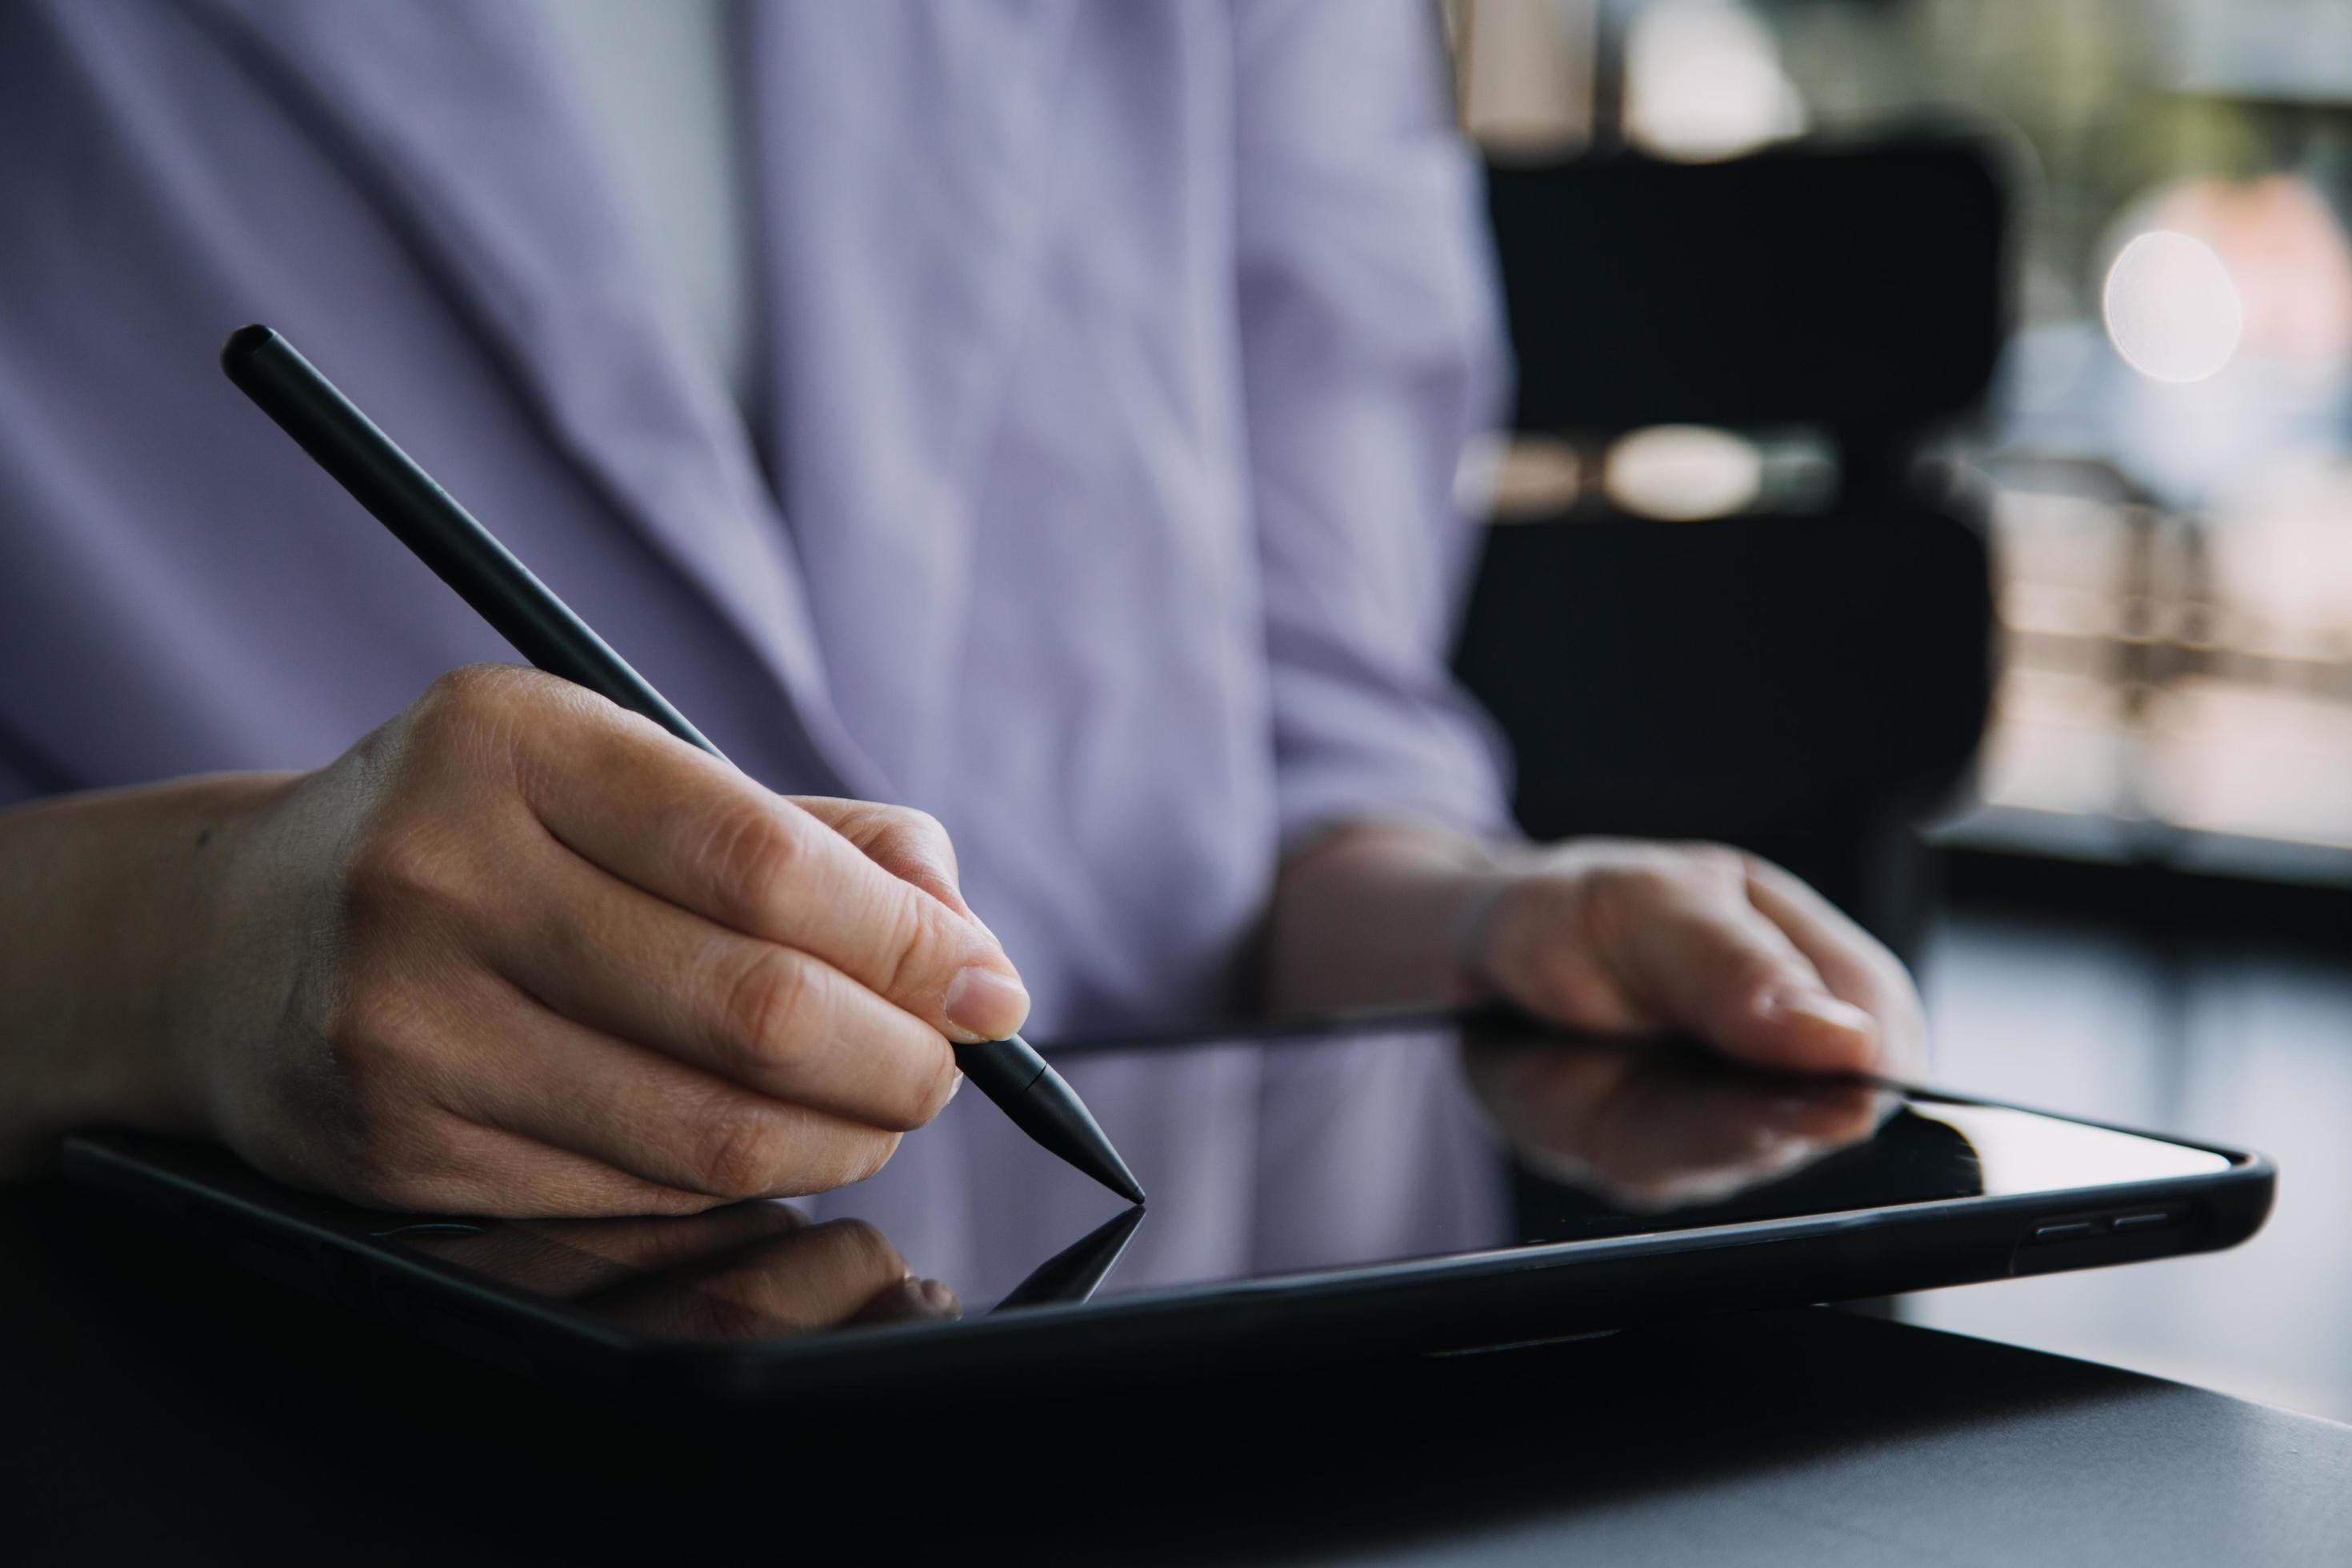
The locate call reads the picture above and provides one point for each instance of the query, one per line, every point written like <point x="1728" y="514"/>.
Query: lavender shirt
<point x="1113" y="365"/>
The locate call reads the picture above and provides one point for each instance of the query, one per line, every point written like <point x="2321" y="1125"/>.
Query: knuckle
<point x="749" y="856"/>
<point x="913" y="942"/>
<point x="737" y="1153"/>
<point x="456" y="702"/>
<point x="371" y="1015"/>
<point x="1719" y="863"/>
<point x="396" y="858"/>
<point x="766" y="1004"/>
<point x="404" y="895"/>
<point x="923" y="844"/>
<point x="472" y="687"/>
<point x="748" y="1156"/>
<point x="914" y="823"/>
<point x="910" y="844"/>
<point x="920" y="1091"/>
<point x="473" y="713"/>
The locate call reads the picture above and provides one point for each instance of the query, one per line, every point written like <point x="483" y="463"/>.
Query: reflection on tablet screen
<point x="1281" y="1157"/>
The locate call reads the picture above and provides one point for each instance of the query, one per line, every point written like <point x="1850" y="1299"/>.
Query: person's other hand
<point x="1623" y="936"/>
<point x="521" y="951"/>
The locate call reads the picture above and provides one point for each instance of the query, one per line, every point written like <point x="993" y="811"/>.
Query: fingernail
<point x="986" y="1004"/>
<point x="1802" y="1002"/>
<point x="940" y="1299"/>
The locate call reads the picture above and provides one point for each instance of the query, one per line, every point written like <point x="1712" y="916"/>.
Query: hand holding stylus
<point x="981" y="1003"/>
<point x="522" y="952"/>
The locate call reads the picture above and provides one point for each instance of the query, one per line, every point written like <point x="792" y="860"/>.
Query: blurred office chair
<point x="1808" y="685"/>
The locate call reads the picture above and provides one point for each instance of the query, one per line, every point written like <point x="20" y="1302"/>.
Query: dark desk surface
<point x="159" y="1406"/>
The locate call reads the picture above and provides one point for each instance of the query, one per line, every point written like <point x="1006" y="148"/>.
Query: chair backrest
<point x="1858" y="291"/>
<point x="1796" y="683"/>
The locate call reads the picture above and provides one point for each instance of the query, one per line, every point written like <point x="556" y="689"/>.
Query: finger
<point x="1853" y="963"/>
<point x="689" y="829"/>
<point x="771" y="1018"/>
<point x="908" y="844"/>
<point x="1709" y="961"/>
<point x="559" y="1083"/>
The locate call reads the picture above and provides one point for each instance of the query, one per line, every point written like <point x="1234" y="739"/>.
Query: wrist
<point x="1384" y="914"/>
<point x="1480" y="898"/>
<point x="219" y="971"/>
<point x="117" y="956"/>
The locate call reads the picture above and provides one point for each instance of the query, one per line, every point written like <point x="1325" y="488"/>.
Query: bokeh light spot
<point x="1682" y="472"/>
<point x="2172" y="307"/>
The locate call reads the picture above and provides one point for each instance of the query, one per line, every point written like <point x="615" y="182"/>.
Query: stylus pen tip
<point x="1121" y="1180"/>
<point x="1042" y="1104"/>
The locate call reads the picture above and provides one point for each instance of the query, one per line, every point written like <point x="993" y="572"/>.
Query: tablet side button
<point x="2156" y="1220"/>
<point x="2063" y="1230"/>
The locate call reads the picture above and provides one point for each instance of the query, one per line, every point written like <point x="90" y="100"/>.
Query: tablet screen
<point x="1281" y="1156"/>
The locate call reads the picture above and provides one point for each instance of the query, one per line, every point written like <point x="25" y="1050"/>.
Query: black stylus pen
<point x="464" y="554"/>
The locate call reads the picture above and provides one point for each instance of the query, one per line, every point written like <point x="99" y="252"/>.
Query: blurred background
<point x="1987" y="373"/>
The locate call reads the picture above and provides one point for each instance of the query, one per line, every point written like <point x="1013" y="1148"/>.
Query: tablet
<point x="1321" y="1191"/>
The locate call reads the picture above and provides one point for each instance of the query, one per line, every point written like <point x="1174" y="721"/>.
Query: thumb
<point x="908" y="844"/>
<point x="982" y="999"/>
